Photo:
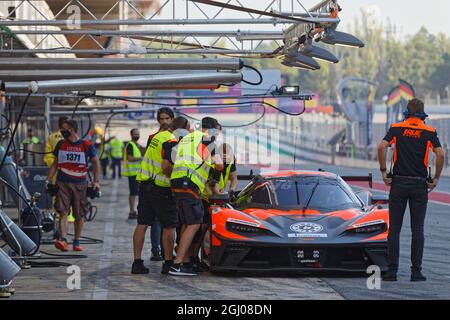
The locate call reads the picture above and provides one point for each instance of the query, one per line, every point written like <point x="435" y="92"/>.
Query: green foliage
<point x="422" y="59"/>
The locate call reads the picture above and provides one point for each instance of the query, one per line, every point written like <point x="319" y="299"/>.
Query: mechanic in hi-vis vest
<point x="156" y="201"/>
<point x="410" y="182"/>
<point x="132" y="164"/>
<point x="116" y="157"/>
<point x="71" y="167"/>
<point x="194" y="158"/>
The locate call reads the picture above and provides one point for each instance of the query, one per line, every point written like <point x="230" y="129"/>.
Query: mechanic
<point x="216" y="185"/>
<point x="71" y="168"/>
<point x="28" y="146"/>
<point x="116" y="157"/>
<point x="194" y="158"/>
<point x="52" y="141"/>
<point x="410" y="182"/>
<point x="105" y="155"/>
<point x="155" y="196"/>
<point x="164" y="116"/>
<point x="132" y="163"/>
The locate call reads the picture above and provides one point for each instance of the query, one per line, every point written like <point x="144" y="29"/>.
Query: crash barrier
<point x="324" y="136"/>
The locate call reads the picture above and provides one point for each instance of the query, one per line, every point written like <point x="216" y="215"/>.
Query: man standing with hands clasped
<point x="410" y="182"/>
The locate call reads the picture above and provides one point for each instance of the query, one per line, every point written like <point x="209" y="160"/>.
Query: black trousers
<point x="413" y="192"/>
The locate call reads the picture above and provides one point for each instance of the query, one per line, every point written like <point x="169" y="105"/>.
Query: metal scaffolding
<point x="114" y="37"/>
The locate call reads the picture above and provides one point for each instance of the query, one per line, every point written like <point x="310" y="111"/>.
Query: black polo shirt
<point x="412" y="140"/>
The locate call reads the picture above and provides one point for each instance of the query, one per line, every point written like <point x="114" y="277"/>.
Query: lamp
<point x="8" y="269"/>
<point x="309" y="50"/>
<point x="15" y="237"/>
<point x="333" y="37"/>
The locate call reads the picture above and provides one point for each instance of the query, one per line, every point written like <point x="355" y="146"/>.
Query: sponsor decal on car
<point x="307" y="235"/>
<point x="306" y="230"/>
<point x="306" y="227"/>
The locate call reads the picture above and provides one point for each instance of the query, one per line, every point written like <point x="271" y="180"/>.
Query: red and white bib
<point x="72" y="159"/>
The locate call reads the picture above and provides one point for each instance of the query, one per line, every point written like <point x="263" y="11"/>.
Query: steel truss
<point x="152" y="41"/>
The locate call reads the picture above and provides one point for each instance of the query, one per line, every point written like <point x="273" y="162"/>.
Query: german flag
<point x="403" y="91"/>
<point x="394" y="96"/>
<point x="406" y="90"/>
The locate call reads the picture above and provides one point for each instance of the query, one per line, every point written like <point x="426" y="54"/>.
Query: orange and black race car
<point x="298" y="220"/>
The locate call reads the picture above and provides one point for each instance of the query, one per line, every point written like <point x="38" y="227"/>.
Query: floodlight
<point x="339" y="38"/>
<point x="15" y="237"/>
<point x="309" y="50"/>
<point x="8" y="269"/>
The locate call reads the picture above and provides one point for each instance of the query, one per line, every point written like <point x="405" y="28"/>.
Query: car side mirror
<point x="365" y="197"/>
<point x="380" y="199"/>
<point x="219" y="198"/>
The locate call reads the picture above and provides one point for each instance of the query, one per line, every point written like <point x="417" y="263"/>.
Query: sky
<point x="407" y="15"/>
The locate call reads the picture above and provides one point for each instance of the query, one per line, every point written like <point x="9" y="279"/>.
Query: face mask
<point x="212" y="132"/>
<point x="135" y="138"/>
<point x="65" y="133"/>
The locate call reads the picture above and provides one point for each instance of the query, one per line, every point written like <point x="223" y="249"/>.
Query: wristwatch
<point x="383" y="169"/>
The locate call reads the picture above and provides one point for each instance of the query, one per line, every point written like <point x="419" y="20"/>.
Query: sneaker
<point x="71" y="218"/>
<point x="61" y="245"/>
<point x="77" y="246"/>
<point x="418" y="276"/>
<point x="389" y="276"/>
<point x="132" y="215"/>
<point x="139" y="268"/>
<point x="199" y="266"/>
<point x="166" y="266"/>
<point x="156" y="255"/>
<point x="181" y="270"/>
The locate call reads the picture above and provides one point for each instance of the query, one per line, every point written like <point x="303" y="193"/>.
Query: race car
<point x="298" y="220"/>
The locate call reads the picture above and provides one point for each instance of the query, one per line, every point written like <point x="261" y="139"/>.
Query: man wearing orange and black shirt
<point x="410" y="182"/>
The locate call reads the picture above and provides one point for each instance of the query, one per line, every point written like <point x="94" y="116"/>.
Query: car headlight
<point x="236" y="225"/>
<point x="369" y="227"/>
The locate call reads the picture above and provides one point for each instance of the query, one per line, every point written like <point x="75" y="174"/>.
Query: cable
<point x="259" y="74"/>
<point x="231" y="126"/>
<point x="78" y="103"/>
<point x="15" y="128"/>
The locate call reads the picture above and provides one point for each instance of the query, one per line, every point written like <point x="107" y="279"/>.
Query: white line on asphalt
<point x="101" y="285"/>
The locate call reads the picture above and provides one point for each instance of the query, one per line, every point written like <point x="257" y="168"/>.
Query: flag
<point x="394" y="97"/>
<point x="406" y="90"/>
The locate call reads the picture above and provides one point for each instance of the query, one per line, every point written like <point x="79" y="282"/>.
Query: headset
<point x="420" y="115"/>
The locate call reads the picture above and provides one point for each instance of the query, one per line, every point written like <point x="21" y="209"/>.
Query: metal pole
<point x="36" y="75"/>
<point x="130" y="51"/>
<point x="142" y="22"/>
<point x="119" y="64"/>
<point x="154" y="33"/>
<point x="124" y="83"/>
<point x="47" y="116"/>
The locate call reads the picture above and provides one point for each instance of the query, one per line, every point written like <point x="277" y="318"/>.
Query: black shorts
<point x="157" y="203"/>
<point x="190" y="208"/>
<point x="133" y="185"/>
<point x="207" y="215"/>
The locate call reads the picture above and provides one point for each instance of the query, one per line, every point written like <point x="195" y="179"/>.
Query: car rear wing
<point x="246" y="177"/>
<point x="368" y="178"/>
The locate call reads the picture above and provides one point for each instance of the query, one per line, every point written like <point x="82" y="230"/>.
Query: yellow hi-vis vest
<point x="131" y="168"/>
<point x="151" y="163"/>
<point x="224" y="179"/>
<point x="116" y="148"/>
<point x="188" y="163"/>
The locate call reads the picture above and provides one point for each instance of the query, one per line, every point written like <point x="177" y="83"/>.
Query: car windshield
<point x="321" y="194"/>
